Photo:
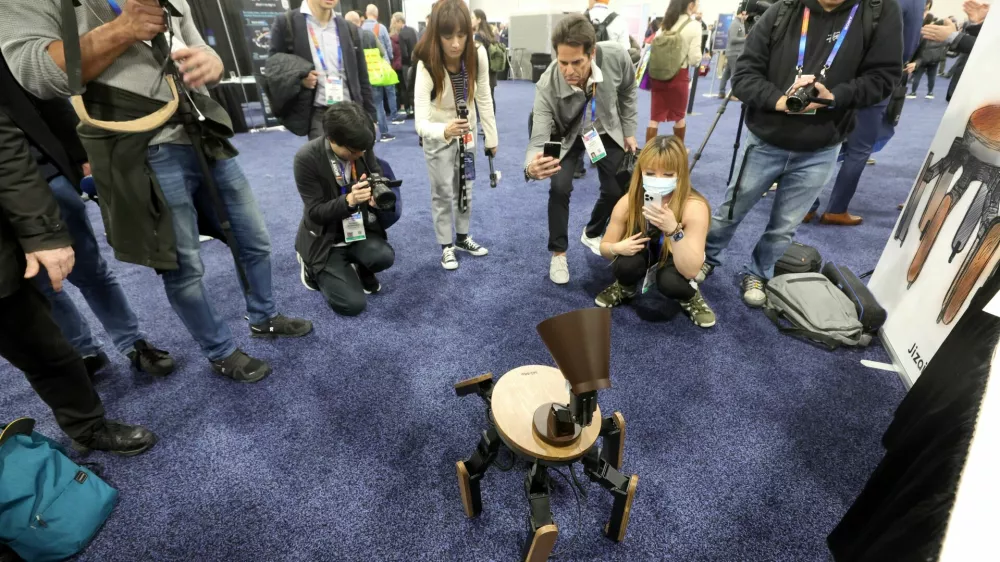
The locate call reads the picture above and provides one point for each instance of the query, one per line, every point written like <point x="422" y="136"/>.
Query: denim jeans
<point x="869" y="126"/>
<point x="800" y="177"/>
<point x="95" y="281"/>
<point x="380" y="92"/>
<point x="176" y="168"/>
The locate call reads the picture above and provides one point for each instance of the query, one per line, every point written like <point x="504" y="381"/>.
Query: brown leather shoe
<point x="809" y="217"/>
<point x="842" y="219"/>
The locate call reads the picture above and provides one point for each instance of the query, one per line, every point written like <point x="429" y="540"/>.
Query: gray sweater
<point x="736" y="39"/>
<point x="27" y="27"/>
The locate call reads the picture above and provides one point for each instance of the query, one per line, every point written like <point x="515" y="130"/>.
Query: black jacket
<point x="859" y="77"/>
<point x="408" y="39"/>
<point x="29" y="214"/>
<point x="325" y="206"/>
<point x="355" y="66"/>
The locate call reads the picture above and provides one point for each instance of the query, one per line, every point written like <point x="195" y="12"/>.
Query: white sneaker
<point x="559" y="270"/>
<point x="593" y="243"/>
<point x="929" y="97"/>
<point x="911" y="96"/>
<point x="448" y="259"/>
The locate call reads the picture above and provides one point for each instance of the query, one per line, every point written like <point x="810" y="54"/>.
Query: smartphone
<point x="552" y="150"/>
<point x="652" y="199"/>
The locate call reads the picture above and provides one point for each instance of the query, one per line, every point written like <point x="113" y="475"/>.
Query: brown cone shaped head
<point x="580" y="342"/>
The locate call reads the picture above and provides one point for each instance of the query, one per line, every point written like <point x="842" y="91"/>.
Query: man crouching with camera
<point x="807" y="66"/>
<point x="340" y="243"/>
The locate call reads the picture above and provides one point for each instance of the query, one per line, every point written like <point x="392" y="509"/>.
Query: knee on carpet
<point x="348" y="305"/>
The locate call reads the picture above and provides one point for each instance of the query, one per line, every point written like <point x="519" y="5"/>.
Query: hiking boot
<point x="281" y="327"/>
<point x="753" y="290"/>
<point x="241" y="367"/>
<point x="470" y="246"/>
<point x="614" y="295"/>
<point x="118" y="438"/>
<point x="706" y="270"/>
<point x="148" y="359"/>
<point x="698" y="311"/>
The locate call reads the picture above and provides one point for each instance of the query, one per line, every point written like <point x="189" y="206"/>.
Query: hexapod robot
<point x="545" y="416"/>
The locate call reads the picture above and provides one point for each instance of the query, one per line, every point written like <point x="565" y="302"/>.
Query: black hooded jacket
<point x="859" y="77"/>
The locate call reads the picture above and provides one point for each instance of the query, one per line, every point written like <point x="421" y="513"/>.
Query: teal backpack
<point x="50" y="507"/>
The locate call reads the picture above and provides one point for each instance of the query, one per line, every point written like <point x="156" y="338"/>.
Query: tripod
<point x="736" y="145"/>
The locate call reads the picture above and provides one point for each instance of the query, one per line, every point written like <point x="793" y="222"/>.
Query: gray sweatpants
<point x="442" y="167"/>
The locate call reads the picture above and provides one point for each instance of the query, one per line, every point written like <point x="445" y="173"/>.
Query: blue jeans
<point x="95" y="281"/>
<point x="800" y="176"/>
<point x="380" y="92"/>
<point x="176" y="168"/>
<point x="869" y="127"/>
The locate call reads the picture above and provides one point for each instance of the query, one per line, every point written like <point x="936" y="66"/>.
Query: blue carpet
<point x="749" y="445"/>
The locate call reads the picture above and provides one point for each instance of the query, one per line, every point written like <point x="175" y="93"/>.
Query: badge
<point x="594" y="146"/>
<point x="334" y="89"/>
<point x="650" y="280"/>
<point x="470" y="165"/>
<point x="354" y="228"/>
<point x="467" y="138"/>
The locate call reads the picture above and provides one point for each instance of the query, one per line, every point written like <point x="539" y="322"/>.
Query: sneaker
<point x="148" y="359"/>
<point x="369" y="283"/>
<point x="706" y="270"/>
<point x="614" y="295"/>
<point x="398" y="119"/>
<point x="241" y="367"/>
<point x="448" y="259"/>
<point x="95" y="363"/>
<point x="304" y="276"/>
<point x="387" y="138"/>
<point x="281" y="327"/>
<point x="753" y="290"/>
<point x="559" y="270"/>
<point x="698" y="311"/>
<point x="871" y="162"/>
<point x="593" y="243"/>
<point x="911" y="96"/>
<point x="929" y="97"/>
<point x="470" y="246"/>
<point x="118" y="438"/>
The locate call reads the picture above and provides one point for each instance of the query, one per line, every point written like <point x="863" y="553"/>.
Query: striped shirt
<point x="458" y="83"/>
<point x="27" y="27"/>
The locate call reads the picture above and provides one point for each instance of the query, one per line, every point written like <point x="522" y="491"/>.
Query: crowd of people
<point x="342" y="81"/>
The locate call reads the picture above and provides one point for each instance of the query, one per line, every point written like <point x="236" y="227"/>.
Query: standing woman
<point x="670" y="97"/>
<point x="450" y="68"/>
<point x="486" y="37"/>
<point x="399" y="56"/>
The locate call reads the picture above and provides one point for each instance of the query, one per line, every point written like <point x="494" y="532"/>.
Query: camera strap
<point x="836" y="45"/>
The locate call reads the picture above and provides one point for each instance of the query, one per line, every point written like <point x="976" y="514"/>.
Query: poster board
<point x="258" y="15"/>
<point x="722" y="32"/>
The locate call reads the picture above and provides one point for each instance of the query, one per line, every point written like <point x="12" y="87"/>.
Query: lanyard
<point x="319" y="49"/>
<point x="115" y="7"/>
<point x="836" y="46"/>
<point x="341" y="173"/>
<point x="593" y="104"/>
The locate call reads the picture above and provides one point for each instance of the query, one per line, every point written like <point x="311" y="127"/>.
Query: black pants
<point x="411" y="81"/>
<point x="631" y="270"/>
<point x="403" y="89"/>
<point x="338" y="281"/>
<point x="931" y="71"/>
<point x="33" y="343"/>
<point x="562" y="186"/>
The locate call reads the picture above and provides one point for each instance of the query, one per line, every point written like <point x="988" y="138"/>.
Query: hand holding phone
<point x="552" y="150"/>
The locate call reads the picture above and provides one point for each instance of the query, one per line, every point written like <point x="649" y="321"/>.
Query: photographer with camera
<point x="340" y="243"/>
<point x="452" y="73"/>
<point x="153" y="185"/>
<point x="585" y="102"/>
<point x="802" y="77"/>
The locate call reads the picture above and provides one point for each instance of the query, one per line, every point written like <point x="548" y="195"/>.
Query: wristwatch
<point x="678" y="235"/>
<point x="527" y="176"/>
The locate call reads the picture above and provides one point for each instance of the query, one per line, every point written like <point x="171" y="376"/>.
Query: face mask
<point x="663" y="186"/>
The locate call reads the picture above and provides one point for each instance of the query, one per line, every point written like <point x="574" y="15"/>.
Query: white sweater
<point x="432" y="116"/>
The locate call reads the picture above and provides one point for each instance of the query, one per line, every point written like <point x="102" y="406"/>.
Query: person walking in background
<point x="452" y="71"/>
<point x="485" y="37"/>
<point x="962" y="41"/>
<point x="407" y="42"/>
<point x="669" y="98"/>
<point x="735" y="39"/>
<point x="926" y="60"/>
<point x="608" y="25"/>
<point x="397" y="65"/>
<point x="367" y="40"/>
<point x="385" y="96"/>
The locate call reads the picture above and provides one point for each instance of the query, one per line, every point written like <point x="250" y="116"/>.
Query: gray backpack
<point x="816" y="309"/>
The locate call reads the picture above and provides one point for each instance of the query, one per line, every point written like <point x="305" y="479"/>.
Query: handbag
<point x="625" y="170"/>
<point x="380" y="72"/>
<point x="798" y="258"/>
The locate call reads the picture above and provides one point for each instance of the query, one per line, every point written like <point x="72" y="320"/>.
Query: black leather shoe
<point x="95" y="363"/>
<point x="281" y="327"/>
<point x="241" y="367"/>
<point x="148" y="359"/>
<point x="118" y="438"/>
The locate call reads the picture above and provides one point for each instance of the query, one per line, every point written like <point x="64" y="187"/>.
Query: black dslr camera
<point x="754" y="9"/>
<point x="385" y="199"/>
<point x="799" y="99"/>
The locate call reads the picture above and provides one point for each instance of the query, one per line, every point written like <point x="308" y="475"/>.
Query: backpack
<point x="50" y="507"/>
<point x="869" y="19"/>
<point x="498" y="56"/>
<point x="816" y="310"/>
<point x="870" y="312"/>
<point x="798" y="258"/>
<point x="668" y="54"/>
<point x="601" y="29"/>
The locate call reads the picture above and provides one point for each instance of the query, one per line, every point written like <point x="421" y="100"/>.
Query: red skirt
<point x="670" y="97"/>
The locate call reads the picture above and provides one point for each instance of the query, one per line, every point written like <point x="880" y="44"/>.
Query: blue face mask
<point x="662" y="186"/>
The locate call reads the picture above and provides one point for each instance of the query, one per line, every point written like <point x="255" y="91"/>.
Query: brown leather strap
<point x="150" y="122"/>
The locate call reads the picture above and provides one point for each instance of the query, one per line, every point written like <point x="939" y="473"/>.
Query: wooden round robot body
<point x="516" y="397"/>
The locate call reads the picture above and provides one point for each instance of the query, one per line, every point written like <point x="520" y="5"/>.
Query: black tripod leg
<point x="613" y="432"/>
<point x="621" y="487"/>
<point x="471" y="471"/>
<point x="542" y="529"/>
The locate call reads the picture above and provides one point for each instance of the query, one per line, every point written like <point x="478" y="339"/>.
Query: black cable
<point x="579" y="511"/>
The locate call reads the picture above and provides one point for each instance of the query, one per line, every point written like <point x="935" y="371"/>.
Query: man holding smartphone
<point x="585" y="106"/>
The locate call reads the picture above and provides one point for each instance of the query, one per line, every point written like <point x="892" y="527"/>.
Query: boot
<point x="651" y="133"/>
<point x="679" y="132"/>
<point x="118" y="438"/>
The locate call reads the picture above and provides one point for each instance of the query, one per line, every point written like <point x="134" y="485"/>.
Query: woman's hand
<point x="456" y="128"/>
<point x="662" y="218"/>
<point x="630" y="246"/>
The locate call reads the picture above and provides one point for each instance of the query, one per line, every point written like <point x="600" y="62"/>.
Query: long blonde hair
<point x="669" y="153"/>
